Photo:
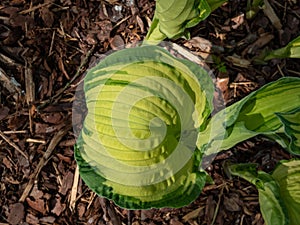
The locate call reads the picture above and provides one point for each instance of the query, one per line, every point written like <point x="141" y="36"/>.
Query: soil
<point x="46" y="46"/>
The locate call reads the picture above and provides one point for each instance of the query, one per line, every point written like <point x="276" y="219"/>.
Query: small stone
<point x="16" y="213"/>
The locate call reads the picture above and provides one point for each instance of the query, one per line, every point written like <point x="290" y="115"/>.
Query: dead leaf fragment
<point x="116" y="42"/>
<point x="238" y="20"/>
<point x="222" y="83"/>
<point x="191" y="215"/>
<point x="204" y="45"/>
<point x="16" y="213"/>
<point x="238" y="61"/>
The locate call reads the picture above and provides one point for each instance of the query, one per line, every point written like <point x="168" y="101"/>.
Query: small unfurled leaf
<point x="271" y="205"/>
<point x="172" y="17"/>
<point x="287" y="175"/>
<point x="253" y="7"/>
<point x="291" y="50"/>
<point x="279" y="193"/>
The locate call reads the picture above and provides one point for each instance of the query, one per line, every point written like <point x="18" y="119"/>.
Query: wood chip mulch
<point x="46" y="46"/>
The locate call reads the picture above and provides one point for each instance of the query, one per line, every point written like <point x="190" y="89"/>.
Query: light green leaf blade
<point x="287" y="175"/>
<point x="138" y="142"/>
<point x="172" y="17"/>
<point x="255" y="114"/>
<point x="291" y="50"/>
<point x="272" y="206"/>
<point x="154" y="35"/>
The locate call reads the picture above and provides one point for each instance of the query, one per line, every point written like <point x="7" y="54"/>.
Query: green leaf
<point x="154" y="35"/>
<point x="253" y="7"/>
<point x="291" y="50"/>
<point x="291" y="125"/>
<point x="265" y="111"/>
<point x="138" y="142"/>
<point x="287" y="175"/>
<point x="272" y="207"/>
<point x="172" y="17"/>
<point x="279" y="193"/>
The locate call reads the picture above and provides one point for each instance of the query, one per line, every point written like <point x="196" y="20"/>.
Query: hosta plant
<point x="145" y="109"/>
<point x="291" y="50"/>
<point x="279" y="192"/>
<point x="172" y="18"/>
<point x="149" y="125"/>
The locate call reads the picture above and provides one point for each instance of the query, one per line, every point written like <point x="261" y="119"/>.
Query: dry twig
<point x="82" y="65"/>
<point x="43" y="161"/>
<point x="10" y="85"/>
<point x="270" y="13"/>
<point x="217" y="207"/>
<point x="31" y="140"/>
<point x="74" y="189"/>
<point x="13" y="144"/>
<point x="34" y="8"/>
